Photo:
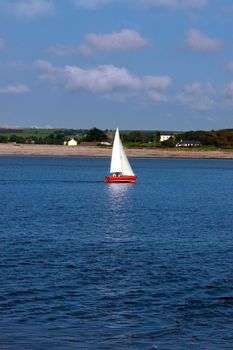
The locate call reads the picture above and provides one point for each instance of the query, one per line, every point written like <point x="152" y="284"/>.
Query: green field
<point x="27" y="132"/>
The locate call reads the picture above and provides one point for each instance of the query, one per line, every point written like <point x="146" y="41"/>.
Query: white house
<point x="165" y="137"/>
<point x="105" y="143"/>
<point x="71" y="142"/>
<point x="188" y="143"/>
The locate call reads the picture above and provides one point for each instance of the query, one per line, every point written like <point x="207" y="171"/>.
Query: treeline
<point x="217" y="138"/>
<point x="57" y="137"/>
<point x="138" y="136"/>
<point x="10" y="131"/>
<point x="51" y="139"/>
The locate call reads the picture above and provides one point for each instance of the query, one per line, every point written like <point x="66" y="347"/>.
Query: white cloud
<point x="157" y="82"/>
<point x="198" y="41"/>
<point x="2" y="44"/>
<point x="100" y="79"/>
<point x="30" y="9"/>
<point x="50" y="73"/>
<point x="14" y="89"/>
<point x="197" y="96"/>
<point x="157" y="97"/>
<point x="167" y="4"/>
<point x="125" y="40"/>
<point x="108" y="80"/>
<point x="104" y="78"/>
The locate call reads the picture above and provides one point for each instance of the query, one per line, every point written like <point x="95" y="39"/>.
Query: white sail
<point x="119" y="161"/>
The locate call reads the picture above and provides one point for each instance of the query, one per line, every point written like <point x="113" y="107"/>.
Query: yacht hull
<point x="120" y="179"/>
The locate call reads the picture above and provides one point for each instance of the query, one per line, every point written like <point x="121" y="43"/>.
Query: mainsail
<point x="119" y="161"/>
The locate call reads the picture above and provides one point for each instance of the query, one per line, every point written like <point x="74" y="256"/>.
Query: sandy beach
<point x="90" y="151"/>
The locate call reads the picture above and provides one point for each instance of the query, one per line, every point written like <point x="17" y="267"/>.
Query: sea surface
<point x="90" y="265"/>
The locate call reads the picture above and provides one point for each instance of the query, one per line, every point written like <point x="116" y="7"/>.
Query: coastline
<point x="7" y="149"/>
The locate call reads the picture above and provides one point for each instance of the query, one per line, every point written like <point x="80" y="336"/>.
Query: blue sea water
<point x="90" y="265"/>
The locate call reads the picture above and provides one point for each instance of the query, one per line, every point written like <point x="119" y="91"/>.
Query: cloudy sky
<point x="132" y="64"/>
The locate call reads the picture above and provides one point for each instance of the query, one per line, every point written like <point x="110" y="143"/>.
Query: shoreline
<point x="7" y="149"/>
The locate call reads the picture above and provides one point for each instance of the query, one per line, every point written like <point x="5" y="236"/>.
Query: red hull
<point x="120" y="179"/>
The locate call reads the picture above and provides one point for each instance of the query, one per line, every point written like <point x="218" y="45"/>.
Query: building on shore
<point x="164" y="136"/>
<point x="188" y="143"/>
<point x="71" y="142"/>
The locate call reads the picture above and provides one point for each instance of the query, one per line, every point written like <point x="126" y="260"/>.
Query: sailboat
<point x="120" y="169"/>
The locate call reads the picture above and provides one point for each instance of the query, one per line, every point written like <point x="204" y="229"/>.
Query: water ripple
<point x="85" y="265"/>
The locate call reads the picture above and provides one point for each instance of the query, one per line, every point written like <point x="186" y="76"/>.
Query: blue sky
<point x="132" y="64"/>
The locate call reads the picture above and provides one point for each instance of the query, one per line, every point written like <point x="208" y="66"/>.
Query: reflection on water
<point x="120" y="227"/>
<point x="118" y="192"/>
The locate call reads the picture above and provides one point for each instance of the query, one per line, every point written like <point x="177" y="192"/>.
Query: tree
<point x="3" y="139"/>
<point x="134" y="136"/>
<point x="95" y="135"/>
<point x="53" y="140"/>
<point x="157" y="136"/>
<point x="17" y="139"/>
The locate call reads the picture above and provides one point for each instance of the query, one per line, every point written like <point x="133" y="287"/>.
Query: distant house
<point x="71" y="142"/>
<point x="188" y="143"/>
<point x="165" y="137"/>
<point x="105" y="143"/>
